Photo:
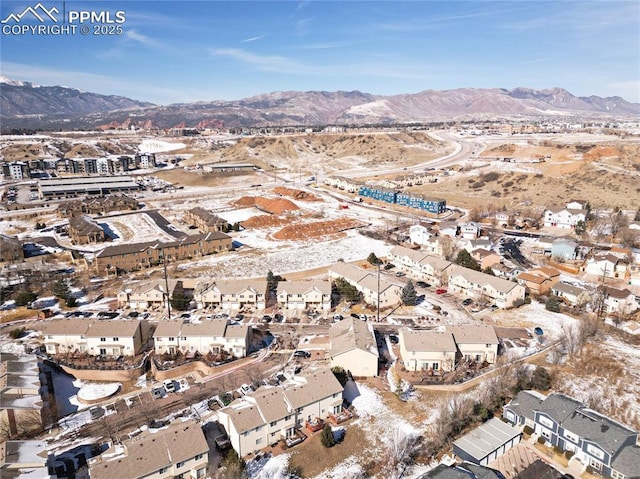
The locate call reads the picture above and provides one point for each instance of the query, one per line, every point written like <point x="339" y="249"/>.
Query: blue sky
<point x="181" y="51"/>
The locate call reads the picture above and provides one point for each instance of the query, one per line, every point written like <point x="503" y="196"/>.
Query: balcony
<point x="342" y="416"/>
<point x="315" y="424"/>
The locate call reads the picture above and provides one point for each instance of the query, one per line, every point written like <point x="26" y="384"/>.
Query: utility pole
<point x="378" y="308"/>
<point x="166" y="283"/>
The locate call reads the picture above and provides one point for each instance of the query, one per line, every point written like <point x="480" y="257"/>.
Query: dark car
<point x="133" y="314"/>
<point x="467" y="302"/>
<point x="301" y="354"/>
<point x="538" y="330"/>
<point x="394" y="339"/>
<point x="355" y="315"/>
<point x="278" y="318"/>
<point x="422" y="284"/>
<point x="266" y="318"/>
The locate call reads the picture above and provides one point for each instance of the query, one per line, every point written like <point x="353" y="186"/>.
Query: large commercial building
<point x="75" y="186"/>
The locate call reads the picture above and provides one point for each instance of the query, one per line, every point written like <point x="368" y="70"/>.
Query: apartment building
<point x="304" y="295"/>
<point x="231" y="295"/>
<point x="474" y="284"/>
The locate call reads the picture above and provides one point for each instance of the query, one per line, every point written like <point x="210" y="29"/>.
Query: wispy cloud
<point x="272" y="63"/>
<point x="323" y="46"/>
<point x="143" y="39"/>
<point x="253" y="39"/>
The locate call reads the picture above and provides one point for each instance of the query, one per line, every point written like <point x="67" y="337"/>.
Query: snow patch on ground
<point x="349" y="468"/>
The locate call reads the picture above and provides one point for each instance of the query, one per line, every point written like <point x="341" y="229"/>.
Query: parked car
<point x="239" y="317"/>
<point x="185" y="315"/>
<point x="355" y="315"/>
<point x="399" y="274"/>
<point x="441" y="291"/>
<point x="422" y="284"/>
<point x="278" y="318"/>
<point x="266" y="318"/>
<point x="538" y="330"/>
<point x="467" y="302"/>
<point x="133" y="314"/>
<point x="394" y="339"/>
<point x="493" y="307"/>
<point x="158" y="392"/>
<point x="337" y="317"/>
<point x="96" y="412"/>
<point x="301" y="354"/>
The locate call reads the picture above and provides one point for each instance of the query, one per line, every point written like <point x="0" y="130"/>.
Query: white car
<point x="169" y="385"/>
<point x="245" y="389"/>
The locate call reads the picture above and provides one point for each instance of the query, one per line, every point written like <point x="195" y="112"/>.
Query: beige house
<point x="84" y="230"/>
<point x="153" y="294"/>
<point x="304" y="295"/>
<point x="231" y="295"/>
<point x="94" y="337"/>
<point x="432" y="269"/>
<point x="21" y="407"/>
<point x="467" y="282"/>
<point x="485" y="258"/>
<point x="273" y="413"/>
<point x="427" y="350"/>
<point x="477" y="343"/>
<point x="179" y="451"/>
<point x="539" y="280"/>
<point x="574" y="295"/>
<point x="353" y="347"/>
<point x="372" y="287"/>
<point x="619" y="301"/>
<point x="171" y="337"/>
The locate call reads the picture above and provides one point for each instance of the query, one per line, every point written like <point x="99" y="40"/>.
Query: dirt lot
<point x="608" y="175"/>
<point x="325" y="229"/>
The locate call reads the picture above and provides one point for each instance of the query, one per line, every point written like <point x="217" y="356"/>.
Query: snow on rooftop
<point x="157" y="146"/>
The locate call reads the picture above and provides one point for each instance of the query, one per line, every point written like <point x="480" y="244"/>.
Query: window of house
<point x="435" y="366"/>
<point x="616" y="475"/>
<point x="179" y="464"/>
<point x="258" y="441"/>
<point x="273" y="423"/>
<point x="103" y="339"/>
<point x="171" y="338"/>
<point x="183" y="338"/>
<point x="162" y="470"/>
<point x="199" y="456"/>
<point x="116" y="339"/>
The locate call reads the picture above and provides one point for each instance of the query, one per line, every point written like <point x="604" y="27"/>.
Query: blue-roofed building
<point x="420" y="202"/>
<point x="378" y="193"/>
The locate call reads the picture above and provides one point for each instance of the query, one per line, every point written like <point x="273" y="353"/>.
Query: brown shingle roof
<point x="473" y="334"/>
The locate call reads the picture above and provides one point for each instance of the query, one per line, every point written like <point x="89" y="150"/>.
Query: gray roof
<point x="480" y="472"/>
<point x="427" y="341"/>
<point x="147" y="454"/>
<point x="486" y="438"/>
<point x="594" y="427"/>
<point x="477" y="277"/>
<point x="352" y="334"/>
<point x="569" y="289"/>
<point x="473" y="334"/>
<point x="320" y="385"/>
<point x="271" y="403"/>
<point x="525" y="403"/>
<point x="213" y="327"/>
<point x="243" y="418"/>
<point x="559" y="407"/>
<point x="627" y="462"/>
<point x="445" y="472"/>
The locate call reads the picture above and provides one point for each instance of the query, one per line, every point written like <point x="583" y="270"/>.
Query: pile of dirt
<point x="301" y="231"/>
<point x="275" y="206"/>
<point x="265" y="221"/>
<point x="295" y="194"/>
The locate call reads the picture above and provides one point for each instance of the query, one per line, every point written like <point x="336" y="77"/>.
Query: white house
<point x="469" y="230"/>
<point x="619" y="301"/>
<point x="419" y="234"/>
<point x="563" y="217"/>
<point x="467" y="282"/>
<point x="476" y="342"/>
<point x="372" y="287"/>
<point x="94" y="337"/>
<point x="429" y="351"/>
<point x="210" y="336"/>
<point x="231" y="294"/>
<point x="178" y="451"/>
<point x="606" y="266"/>
<point x="432" y="269"/>
<point x="574" y="295"/>
<point x="276" y="413"/>
<point x="353" y="347"/>
<point x="304" y="295"/>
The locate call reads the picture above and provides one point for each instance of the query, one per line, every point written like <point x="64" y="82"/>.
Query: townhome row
<point x="180" y="451"/>
<point x="136" y="256"/>
<point x="210" y="336"/>
<point x="442" y="351"/>
<point x="94" y="337"/>
<point x="274" y="413"/>
<point x="127" y="337"/>
<point x="608" y="447"/>
<point x="375" y="289"/>
<point x="229" y="295"/>
<point x="463" y="281"/>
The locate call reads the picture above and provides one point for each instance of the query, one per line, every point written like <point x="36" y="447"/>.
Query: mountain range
<point x="26" y="105"/>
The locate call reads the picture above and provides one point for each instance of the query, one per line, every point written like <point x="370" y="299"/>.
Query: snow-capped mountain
<point x="60" y="107"/>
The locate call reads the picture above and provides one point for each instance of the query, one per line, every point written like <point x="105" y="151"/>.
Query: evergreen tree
<point x="488" y="270"/>
<point x="409" y="295"/>
<point x="552" y="304"/>
<point x="326" y="436"/>
<point x="60" y="289"/>
<point x="180" y="302"/>
<point x="25" y="297"/>
<point x="373" y="259"/>
<point x="347" y="291"/>
<point x="271" y="280"/>
<point x="465" y="259"/>
<point x="341" y="375"/>
<point x="541" y="379"/>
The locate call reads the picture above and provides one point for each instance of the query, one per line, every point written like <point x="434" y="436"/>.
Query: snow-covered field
<point x="158" y="146"/>
<point x="285" y="257"/>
